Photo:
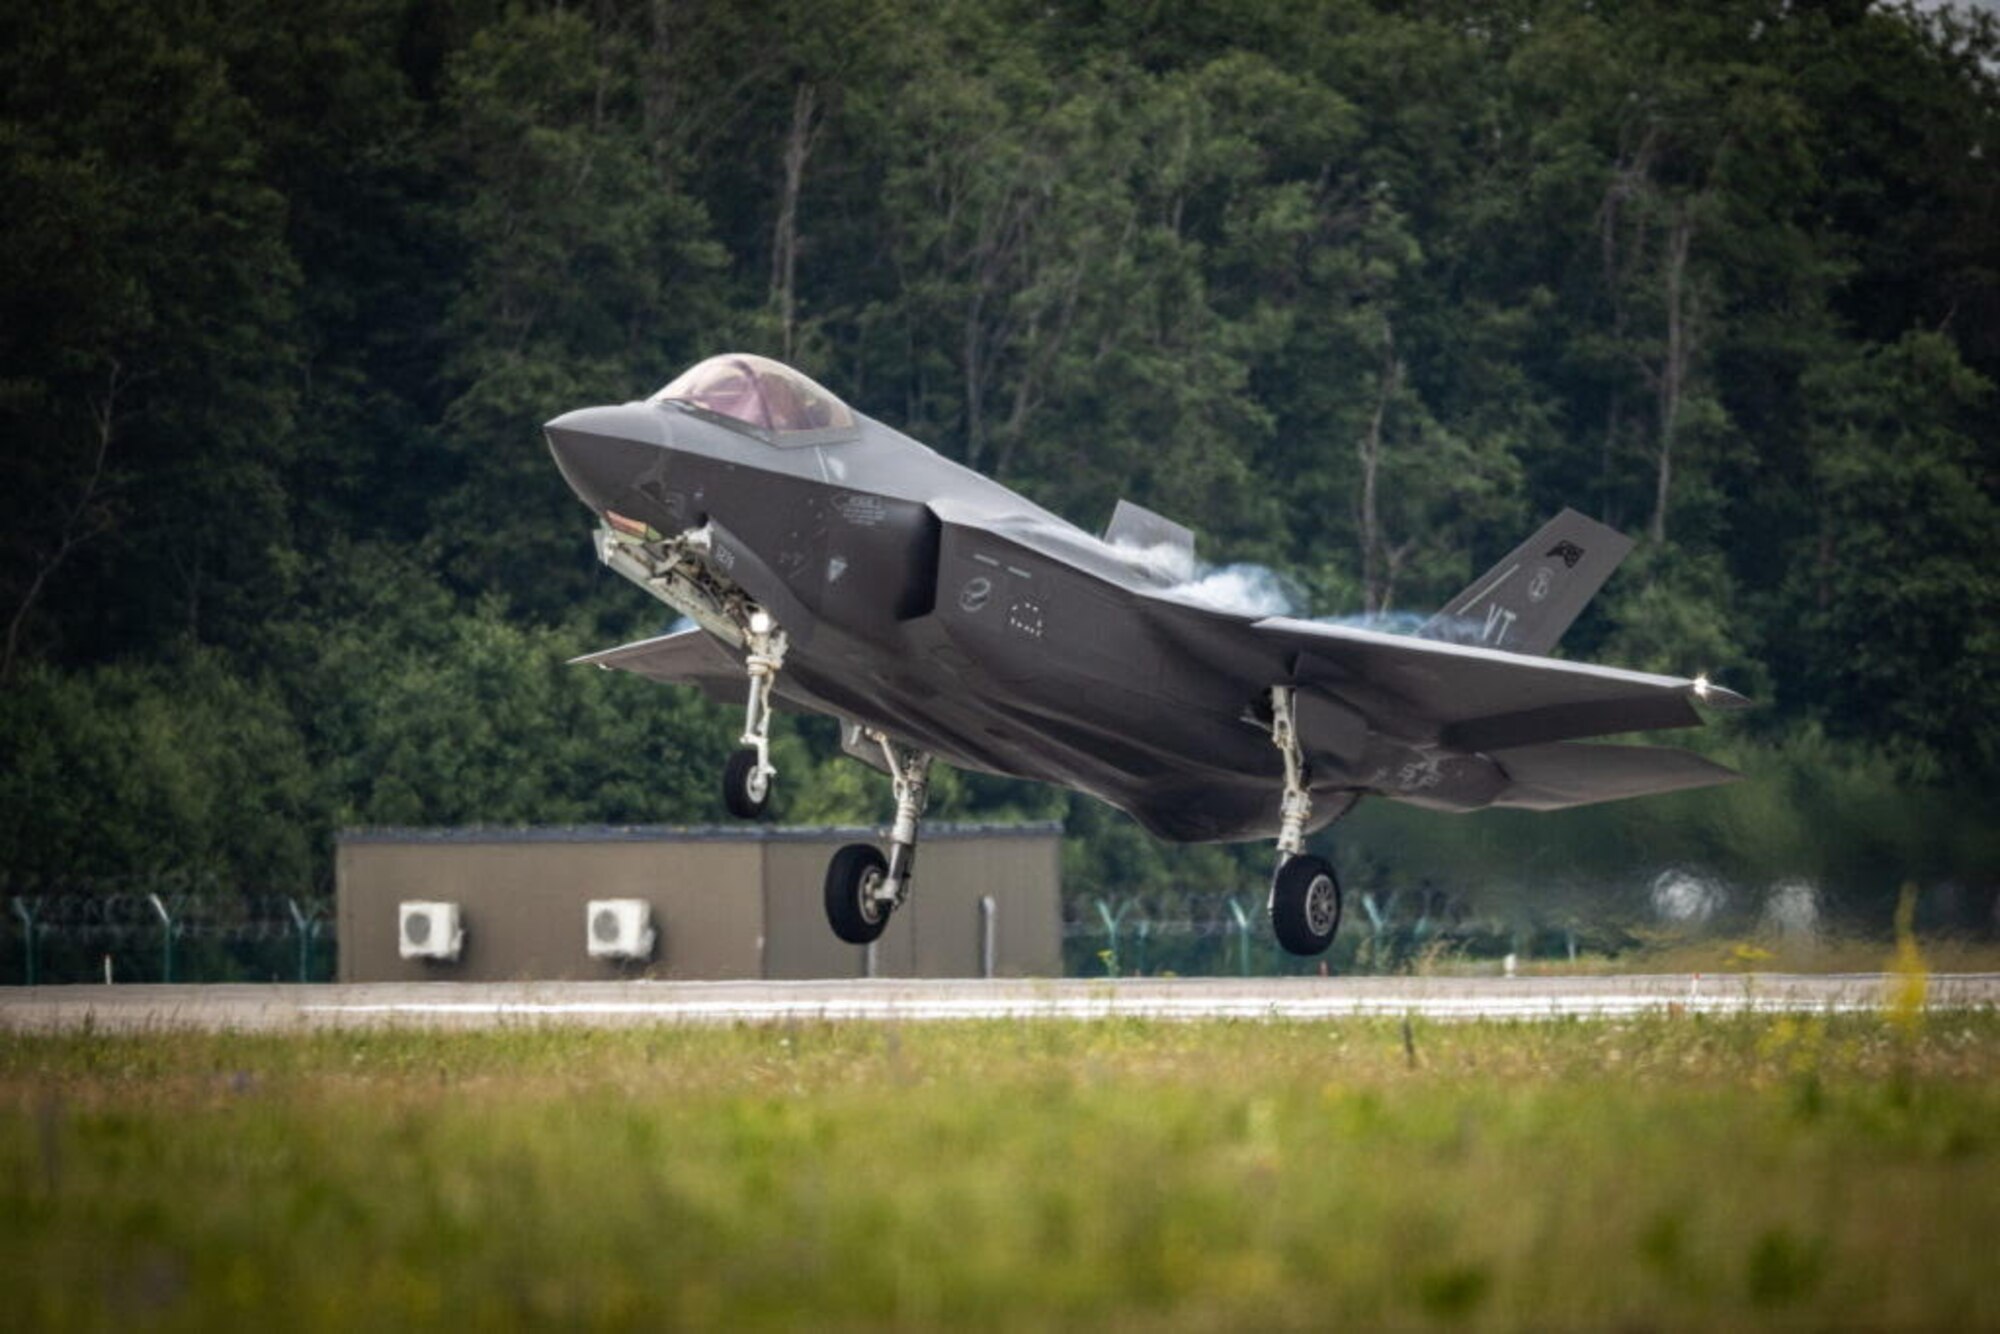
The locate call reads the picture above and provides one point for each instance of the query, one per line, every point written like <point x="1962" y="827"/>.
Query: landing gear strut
<point x="862" y="887"/>
<point x="746" y="781"/>
<point x="1305" y="893"/>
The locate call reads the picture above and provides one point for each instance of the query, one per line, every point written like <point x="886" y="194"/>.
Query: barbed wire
<point x="118" y="917"/>
<point x="1209" y="913"/>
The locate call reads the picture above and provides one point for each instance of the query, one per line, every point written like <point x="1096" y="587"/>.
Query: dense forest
<point x="1359" y="291"/>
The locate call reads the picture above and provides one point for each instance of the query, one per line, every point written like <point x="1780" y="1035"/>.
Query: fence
<point x="1208" y="934"/>
<point x="206" y="934"/>
<point x="165" y="935"/>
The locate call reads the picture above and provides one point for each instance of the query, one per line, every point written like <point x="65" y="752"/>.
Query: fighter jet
<point x="831" y="564"/>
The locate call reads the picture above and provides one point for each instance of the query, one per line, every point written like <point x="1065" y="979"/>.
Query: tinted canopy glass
<point x="758" y="392"/>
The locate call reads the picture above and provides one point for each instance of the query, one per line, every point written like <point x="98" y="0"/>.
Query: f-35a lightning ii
<point x="834" y="565"/>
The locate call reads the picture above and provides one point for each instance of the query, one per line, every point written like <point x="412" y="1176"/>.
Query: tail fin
<point x="1524" y="603"/>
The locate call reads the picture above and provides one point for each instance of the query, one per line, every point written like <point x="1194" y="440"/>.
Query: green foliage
<point x="1908" y="650"/>
<point x="124" y="769"/>
<point x="1359" y="292"/>
<point x="1683" y="1172"/>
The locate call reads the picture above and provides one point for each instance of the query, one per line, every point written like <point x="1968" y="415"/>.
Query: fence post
<point x="1145" y="929"/>
<point x="989" y="917"/>
<point x="1376" y="916"/>
<point x="308" y="927"/>
<point x="1111" y="921"/>
<point x="166" y="938"/>
<point x="27" y="916"/>
<point x="1242" y="935"/>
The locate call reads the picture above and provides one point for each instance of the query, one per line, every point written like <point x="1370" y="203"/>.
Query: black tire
<point x="851" y="880"/>
<point x="1305" y="905"/>
<point x="745" y="796"/>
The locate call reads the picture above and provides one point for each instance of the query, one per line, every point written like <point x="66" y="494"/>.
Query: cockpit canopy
<point x="760" y="393"/>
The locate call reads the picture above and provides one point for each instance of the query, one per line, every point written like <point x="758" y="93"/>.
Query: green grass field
<point x="1670" y="1172"/>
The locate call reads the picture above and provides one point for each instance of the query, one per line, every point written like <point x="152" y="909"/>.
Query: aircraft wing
<point x="1352" y="681"/>
<point x="1478" y="698"/>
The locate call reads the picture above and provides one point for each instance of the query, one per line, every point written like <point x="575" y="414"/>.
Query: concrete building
<point x="741" y="902"/>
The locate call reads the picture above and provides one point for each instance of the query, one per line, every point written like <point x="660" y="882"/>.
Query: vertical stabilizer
<point x="1526" y="602"/>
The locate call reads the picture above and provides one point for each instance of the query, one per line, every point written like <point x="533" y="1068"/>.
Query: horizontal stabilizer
<point x="1138" y="527"/>
<point x="1526" y="602"/>
<point x="1570" y="773"/>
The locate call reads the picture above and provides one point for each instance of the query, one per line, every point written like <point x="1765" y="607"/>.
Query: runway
<point x="605" y="1004"/>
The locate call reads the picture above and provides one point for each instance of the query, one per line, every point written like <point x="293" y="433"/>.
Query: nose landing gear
<point x="682" y="571"/>
<point x="862" y="887"/>
<point x="746" y="779"/>
<point x="1305" y="893"/>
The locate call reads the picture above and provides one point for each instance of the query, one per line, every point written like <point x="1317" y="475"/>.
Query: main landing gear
<point x="862" y="887"/>
<point x="1305" y="893"/>
<point x="746" y="779"/>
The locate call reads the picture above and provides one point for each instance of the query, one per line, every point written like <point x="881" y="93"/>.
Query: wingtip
<point x="1710" y="695"/>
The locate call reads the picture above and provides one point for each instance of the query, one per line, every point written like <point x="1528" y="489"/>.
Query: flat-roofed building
<point x="741" y="902"/>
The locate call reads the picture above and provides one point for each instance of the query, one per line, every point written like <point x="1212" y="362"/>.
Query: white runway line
<point x="463" y="1005"/>
<point x="1193" y="1008"/>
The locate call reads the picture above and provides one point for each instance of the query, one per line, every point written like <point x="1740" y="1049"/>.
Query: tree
<point x="1896" y="592"/>
<point x="145" y="334"/>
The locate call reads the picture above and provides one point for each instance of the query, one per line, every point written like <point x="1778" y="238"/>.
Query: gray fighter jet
<point x="834" y="565"/>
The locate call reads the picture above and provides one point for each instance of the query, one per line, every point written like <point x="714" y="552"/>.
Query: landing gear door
<point x="854" y="739"/>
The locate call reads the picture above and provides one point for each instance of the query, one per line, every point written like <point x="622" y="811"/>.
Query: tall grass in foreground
<point x="1674" y="1171"/>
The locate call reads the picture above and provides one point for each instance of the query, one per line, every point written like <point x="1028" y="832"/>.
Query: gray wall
<point x="728" y="903"/>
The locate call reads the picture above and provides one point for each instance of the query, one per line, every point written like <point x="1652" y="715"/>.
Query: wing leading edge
<point x="1472" y="698"/>
<point x="1528" y="715"/>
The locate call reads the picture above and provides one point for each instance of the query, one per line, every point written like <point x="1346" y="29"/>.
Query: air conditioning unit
<point x="619" y="928"/>
<point x="429" y="930"/>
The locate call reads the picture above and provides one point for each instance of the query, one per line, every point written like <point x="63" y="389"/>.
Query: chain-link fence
<point x="170" y="933"/>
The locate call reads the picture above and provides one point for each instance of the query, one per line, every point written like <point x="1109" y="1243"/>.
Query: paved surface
<point x="478" y="1005"/>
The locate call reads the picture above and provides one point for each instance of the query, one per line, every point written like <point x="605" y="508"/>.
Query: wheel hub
<point x="872" y="906"/>
<point x="1322" y="905"/>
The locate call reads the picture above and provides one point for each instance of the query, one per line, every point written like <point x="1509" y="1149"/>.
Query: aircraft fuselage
<point x="944" y="609"/>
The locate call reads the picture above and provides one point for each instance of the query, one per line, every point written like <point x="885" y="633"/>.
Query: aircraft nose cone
<point x="605" y="453"/>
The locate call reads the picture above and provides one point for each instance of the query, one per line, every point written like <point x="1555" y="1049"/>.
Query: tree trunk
<point x="785" y="242"/>
<point x="1376" y="574"/>
<point x="1614" y="426"/>
<point x="83" y="521"/>
<point x="1674" y="365"/>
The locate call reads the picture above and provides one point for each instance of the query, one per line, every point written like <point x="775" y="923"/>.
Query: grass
<point x="1672" y="1172"/>
<point x="1738" y="954"/>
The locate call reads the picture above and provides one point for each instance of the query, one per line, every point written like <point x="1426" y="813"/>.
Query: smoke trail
<point x="1245" y="589"/>
<point x="1166" y="560"/>
<point x="1686" y="896"/>
<point x="1252" y="590"/>
<point x="1382" y="622"/>
<point x="1249" y="589"/>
